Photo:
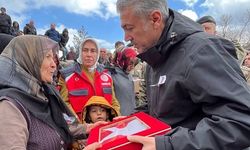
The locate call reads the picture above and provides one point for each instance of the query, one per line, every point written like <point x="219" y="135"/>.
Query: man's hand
<point x="93" y="146"/>
<point x="147" y="142"/>
<point x="89" y="127"/>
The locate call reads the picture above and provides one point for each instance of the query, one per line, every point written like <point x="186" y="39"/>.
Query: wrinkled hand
<point x="93" y="146"/>
<point x="147" y="142"/>
<point x="89" y="127"/>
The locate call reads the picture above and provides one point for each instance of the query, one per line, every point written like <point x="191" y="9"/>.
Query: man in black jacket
<point x="30" y="28"/>
<point x="5" y="21"/>
<point x="192" y="82"/>
<point x="209" y="25"/>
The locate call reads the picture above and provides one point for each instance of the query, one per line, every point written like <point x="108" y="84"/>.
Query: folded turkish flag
<point x="114" y="134"/>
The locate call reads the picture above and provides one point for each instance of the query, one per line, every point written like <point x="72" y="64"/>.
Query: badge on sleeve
<point x="104" y="78"/>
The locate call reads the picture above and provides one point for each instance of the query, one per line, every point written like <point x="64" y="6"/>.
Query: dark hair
<point x="3" y="9"/>
<point x="118" y="43"/>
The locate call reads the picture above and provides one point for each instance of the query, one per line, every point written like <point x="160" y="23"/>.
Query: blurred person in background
<point x="30" y="28"/>
<point x="5" y="21"/>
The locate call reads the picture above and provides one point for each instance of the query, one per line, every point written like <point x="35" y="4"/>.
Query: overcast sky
<point x="99" y="17"/>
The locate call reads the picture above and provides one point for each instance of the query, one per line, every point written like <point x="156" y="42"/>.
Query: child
<point x="98" y="109"/>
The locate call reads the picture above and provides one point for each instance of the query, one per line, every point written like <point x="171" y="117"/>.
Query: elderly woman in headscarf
<point x="32" y="114"/>
<point x="85" y="79"/>
<point x="124" y="61"/>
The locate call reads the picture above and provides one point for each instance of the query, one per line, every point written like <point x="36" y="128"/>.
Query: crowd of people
<point x="189" y="77"/>
<point x="7" y="27"/>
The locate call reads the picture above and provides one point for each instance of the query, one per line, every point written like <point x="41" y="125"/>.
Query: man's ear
<point x="156" y="18"/>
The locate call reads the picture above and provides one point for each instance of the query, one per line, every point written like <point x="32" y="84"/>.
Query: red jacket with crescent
<point x="81" y="89"/>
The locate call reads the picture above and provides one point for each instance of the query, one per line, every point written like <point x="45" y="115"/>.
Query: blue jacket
<point x="53" y="34"/>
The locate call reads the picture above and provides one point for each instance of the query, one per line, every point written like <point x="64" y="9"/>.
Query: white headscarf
<point x="79" y="59"/>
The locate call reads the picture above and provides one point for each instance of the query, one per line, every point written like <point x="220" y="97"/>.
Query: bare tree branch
<point x="79" y="37"/>
<point x="225" y="21"/>
<point x="246" y="22"/>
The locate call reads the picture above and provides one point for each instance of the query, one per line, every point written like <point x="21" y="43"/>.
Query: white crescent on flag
<point x="132" y="127"/>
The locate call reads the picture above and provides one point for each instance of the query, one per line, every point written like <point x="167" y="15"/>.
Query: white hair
<point x="144" y="7"/>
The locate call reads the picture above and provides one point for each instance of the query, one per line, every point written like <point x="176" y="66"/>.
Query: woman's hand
<point x="89" y="127"/>
<point x="93" y="146"/>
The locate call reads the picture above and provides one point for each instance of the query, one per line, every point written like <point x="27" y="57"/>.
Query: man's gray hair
<point x="144" y="7"/>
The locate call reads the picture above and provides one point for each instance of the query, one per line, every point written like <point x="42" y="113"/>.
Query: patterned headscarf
<point x="124" y="57"/>
<point x="21" y="80"/>
<point x="26" y="54"/>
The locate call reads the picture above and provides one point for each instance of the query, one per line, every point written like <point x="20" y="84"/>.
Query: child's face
<point x="98" y="113"/>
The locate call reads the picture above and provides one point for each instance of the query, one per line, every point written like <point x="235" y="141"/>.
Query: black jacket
<point x="28" y="29"/>
<point x="64" y="38"/>
<point x="4" y="40"/>
<point x="5" y="20"/>
<point x="196" y="86"/>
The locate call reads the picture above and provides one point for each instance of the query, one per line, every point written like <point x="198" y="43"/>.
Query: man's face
<point x="247" y="61"/>
<point x="139" y="30"/>
<point x="52" y="26"/>
<point x="209" y="27"/>
<point x="32" y="23"/>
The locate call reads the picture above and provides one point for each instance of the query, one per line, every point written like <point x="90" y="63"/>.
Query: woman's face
<point x="48" y="67"/>
<point x="89" y="54"/>
<point x="131" y="64"/>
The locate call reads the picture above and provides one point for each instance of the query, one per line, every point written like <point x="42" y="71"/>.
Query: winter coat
<point x="196" y="86"/>
<point x="53" y="34"/>
<point x="5" y="20"/>
<point x="28" y="29"/>
<point x="123" y="82"/>
<point x="64" y="38"/>
<point x="15" y="30"/>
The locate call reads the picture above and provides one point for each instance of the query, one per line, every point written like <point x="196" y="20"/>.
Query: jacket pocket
<point x="107" y="90"/>
<point x="80" y="92"/>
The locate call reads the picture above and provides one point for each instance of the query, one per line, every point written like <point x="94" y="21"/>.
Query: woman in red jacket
<point x="85" y="79"/>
